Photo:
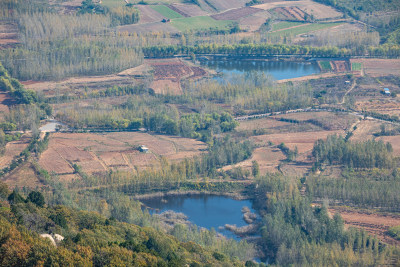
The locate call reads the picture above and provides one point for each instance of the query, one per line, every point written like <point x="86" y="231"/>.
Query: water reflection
<point x="278" y="69"/>
<point x="203" y="210"/>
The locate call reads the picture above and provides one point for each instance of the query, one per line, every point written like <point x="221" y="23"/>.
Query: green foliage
<point x="253" y="2"/>
<point x="395" y="232"/>
<point x="295" y="233"/>
<point x="368" y="154"/>
<point x="37" y="198"/>
<point x="166" y="12"/>
<point x="325" y="65"/>
<point x="356" y="66"/>
<point x="271" y="49"/>
<point x="369" y="189"/>
<point x="15" y="198"/>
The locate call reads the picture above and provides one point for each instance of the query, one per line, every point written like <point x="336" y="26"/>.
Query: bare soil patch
<point x="375" y="224"/>
<point x="319" y="11"/>
<point x="379" y="67"/>
<point x="101" y="152"/>
<point x="235" y="14"/>
<point x="168" y="74"/>
<point x="189" y="10"/>
<point x="259" y="124"/>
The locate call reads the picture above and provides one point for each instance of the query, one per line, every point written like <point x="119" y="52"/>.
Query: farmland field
<point x="189" y="9"/>
<point x="166" y="12"/>
<point x="200" y="23"/>
<point x="319" y="11"/>
<point x="303" y="29"/>
<point x="356" y="66"/>
<point x="378" y="67"/>
<point x="102" y="152"/>
<point x="285" y="25"/>
<point x="325" y="65"/>
<point x="234" y="14"/>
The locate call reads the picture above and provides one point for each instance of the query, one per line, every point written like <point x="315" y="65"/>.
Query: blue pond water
<point x="278" y="69"/>
<point x="204" y="210"/>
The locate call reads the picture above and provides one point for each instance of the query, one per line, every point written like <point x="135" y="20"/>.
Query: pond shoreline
<point x="234" y="195"/>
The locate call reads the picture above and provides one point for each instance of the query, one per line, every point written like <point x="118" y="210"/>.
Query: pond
<point x="278" y="69"/>
<point x="206" y="211"/>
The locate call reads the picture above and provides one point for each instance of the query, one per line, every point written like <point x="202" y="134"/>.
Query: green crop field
<point x="166" y="12"/>
<point x="325" y="65"/>
<point x="200" y="23"/>
<point x="113" y="3"/>
<point x="356" y="66"/>
<point x="284" y="25"/>
<point x="304" y="29"/>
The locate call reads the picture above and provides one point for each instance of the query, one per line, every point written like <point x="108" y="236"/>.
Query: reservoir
<point x="278" y="69"/>
<point x="206" y="211"/>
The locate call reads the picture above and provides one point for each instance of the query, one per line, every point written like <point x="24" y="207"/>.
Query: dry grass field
<point x="13" y="149"/>
<point x="303" y="140"/>
<point x="101" y="152"/>
<point x="24" y="176"/>
<point x="379" y="67"/>
<point x="375" y="224"/>
<point x="268" y="159"/>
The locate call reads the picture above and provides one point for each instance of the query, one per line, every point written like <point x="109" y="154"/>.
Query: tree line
<point x="389" y="50"/>
<point x="367" y="154"/>
<point x="295" y="233"/>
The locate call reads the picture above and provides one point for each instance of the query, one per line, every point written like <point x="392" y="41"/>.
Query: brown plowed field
<point x="177" y="10"/>
<point x="379" y="67"/>
<point x="169" y="73"/>
<point x="319" y="11"/>
<point x="235" y="14"/>
<point x="190" y="10"/>
<point x="375" y="224"/>
<point x="340" y="66"/>
<point x="101" y="152"/>
<point x="290" y="13"/>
